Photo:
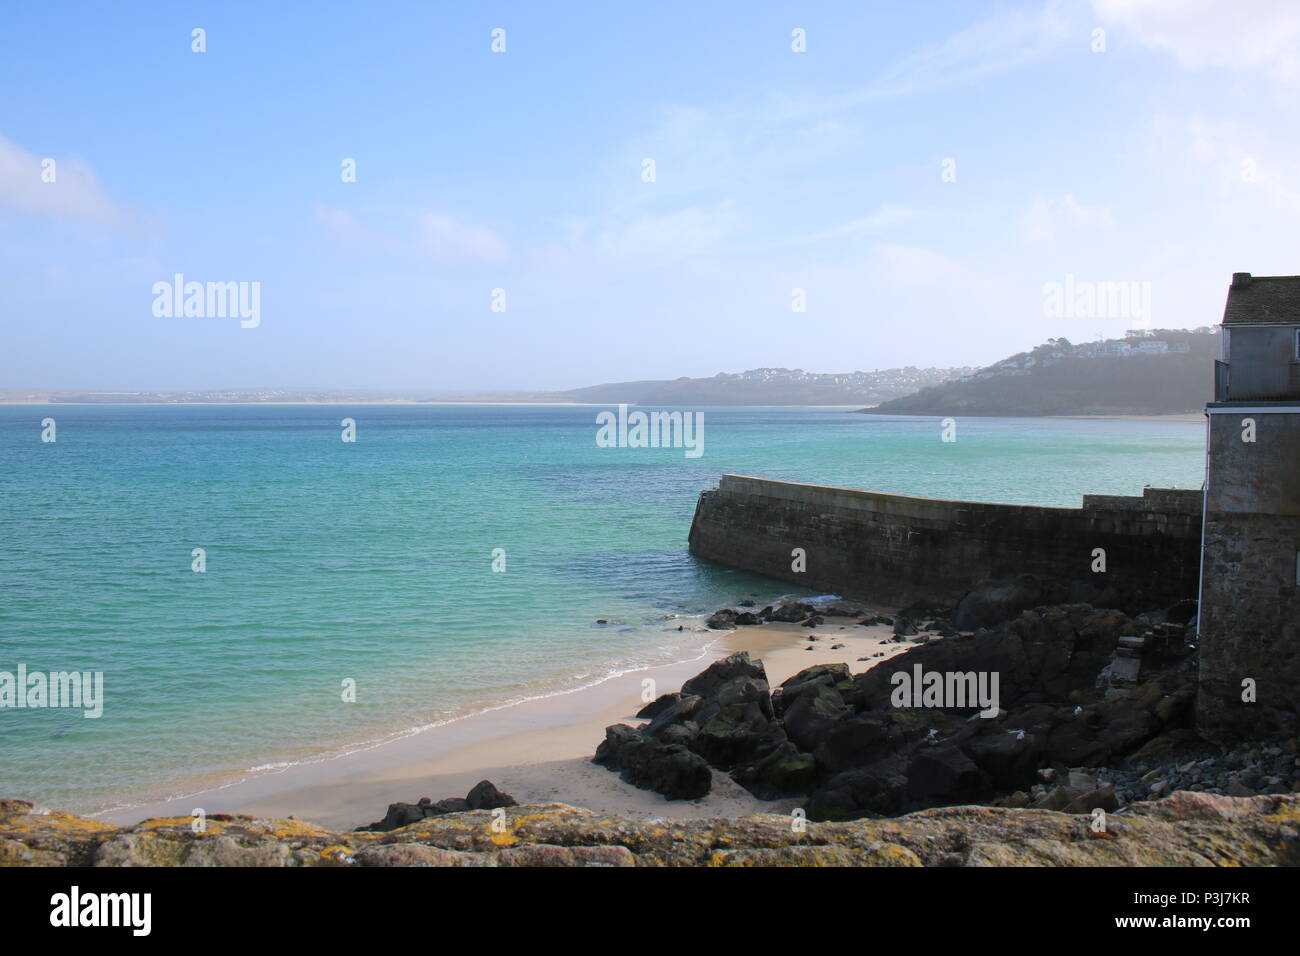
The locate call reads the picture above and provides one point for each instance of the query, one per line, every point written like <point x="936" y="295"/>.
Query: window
<point x="1297" y="345"/>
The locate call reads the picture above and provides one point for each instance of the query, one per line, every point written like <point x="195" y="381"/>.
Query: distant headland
<point x="1148" y="372"/>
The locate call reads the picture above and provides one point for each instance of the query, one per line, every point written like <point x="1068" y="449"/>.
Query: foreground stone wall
<point x="897" y="548"/>
<point x="1250" y="599"/>
<point x="1186" y="829"/>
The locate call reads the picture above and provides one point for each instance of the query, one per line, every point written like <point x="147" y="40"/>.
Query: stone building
<point x="1250" y="556"/>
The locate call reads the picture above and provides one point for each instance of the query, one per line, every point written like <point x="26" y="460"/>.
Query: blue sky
<point x="1172" y="157"/>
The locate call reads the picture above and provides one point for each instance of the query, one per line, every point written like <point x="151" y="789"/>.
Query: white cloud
<point x="1004" y="41"/>
<point x="444" y="239"/>
<point x="1260" y="35"/>
<point x="435" y="236"/>
<point x="75" y="194"/>
<point x="1046" y="219"/>
<point x="1241" y="163"/>
<point x="1001" y="42"/>
<point x="345" y="229"/>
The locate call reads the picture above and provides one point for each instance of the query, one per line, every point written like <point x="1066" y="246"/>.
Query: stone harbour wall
<point x="894" y="549"/>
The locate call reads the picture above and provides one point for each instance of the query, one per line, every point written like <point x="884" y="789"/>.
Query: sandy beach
<point x="538" y="751"/>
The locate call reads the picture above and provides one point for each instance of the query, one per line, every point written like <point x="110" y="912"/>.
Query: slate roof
<point x="1262" y="299"/>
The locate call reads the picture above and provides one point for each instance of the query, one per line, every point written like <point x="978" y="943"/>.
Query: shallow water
<point x="372" y="561"/>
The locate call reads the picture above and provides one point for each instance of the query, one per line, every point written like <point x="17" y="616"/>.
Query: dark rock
<point x="920" y="610"/>
<point x="399" y="815"/>
<point x="658" y="705"/>
<point x="720" y="672"/>
<point x="782" y="773"/>
<point x="737" y="732"/>
<point x="857" y="742"/>
<point x="843" y="609"/>
<point x="682" y="709"/>
<point x="811" y="712"/>
<point x="992" y="602"/>
<point x="454" y="805"/>
<point x="485" y="796"/>
<point x="722" y="620"/>
<point x="832" y="675"/>
<point x="682" y="734"/>
<point x="791" y="612"/>
<point x="1010" y="762"/>
<point x="668" y="769"/>
<point x="945" y="775"/>
<point x="878" y="789"/>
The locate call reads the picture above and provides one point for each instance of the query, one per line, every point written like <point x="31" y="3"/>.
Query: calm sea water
<point x="372" y="561"/>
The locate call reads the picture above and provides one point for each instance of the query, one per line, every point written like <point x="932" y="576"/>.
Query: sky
<point x="835" y="186"/>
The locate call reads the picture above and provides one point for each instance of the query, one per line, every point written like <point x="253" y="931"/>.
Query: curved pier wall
<point x="894" y="549"/>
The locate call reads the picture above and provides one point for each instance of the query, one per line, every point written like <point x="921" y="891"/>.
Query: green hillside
<point x="1059" y="378"/>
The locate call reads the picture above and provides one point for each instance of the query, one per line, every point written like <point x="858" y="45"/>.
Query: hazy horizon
<point x="508" y="389"/>
<point x="913" y="179"/>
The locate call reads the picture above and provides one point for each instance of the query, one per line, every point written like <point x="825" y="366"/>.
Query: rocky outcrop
<point x="788" y="611"/>
<point x="723" y="718"/>
<point x="1186" y="829"/>
<point x="484" y="796"/>
<point x="1079" y="689"/>
<point x="666" y="768"/>
<point x="877" y="758"/>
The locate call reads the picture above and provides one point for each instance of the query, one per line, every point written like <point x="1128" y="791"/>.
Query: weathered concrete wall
<point x="1250" y="601"/>
<point x="896" y="548"/>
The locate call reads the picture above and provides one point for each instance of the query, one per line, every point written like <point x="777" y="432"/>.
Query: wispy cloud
<point x="1238" y="163"/>
<point x="1046" y="219"/>
<point x="1004" y="41"/>
<point x="69" y="190"/>
<point x="444" y="239"/>
<point x="1248" y="35"/>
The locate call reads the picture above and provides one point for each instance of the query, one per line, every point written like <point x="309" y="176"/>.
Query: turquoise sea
<point x="372" y="561"/>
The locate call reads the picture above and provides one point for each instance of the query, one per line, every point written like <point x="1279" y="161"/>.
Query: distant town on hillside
<point x="759" y="386"/>
<point x="1147" y="372"/>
